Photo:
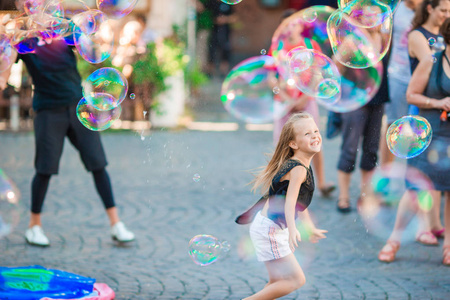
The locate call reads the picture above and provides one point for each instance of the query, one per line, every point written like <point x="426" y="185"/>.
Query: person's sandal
<point x="389" y="255"/>
<point x="344" y="208"/>
<point x="427" y="238"/>
<point x="439" y="233"/>
<point x="327" y="190"/>
<point x="446" y="255"/>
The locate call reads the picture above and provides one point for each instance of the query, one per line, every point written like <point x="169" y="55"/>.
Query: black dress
<point x="277" y="196"/>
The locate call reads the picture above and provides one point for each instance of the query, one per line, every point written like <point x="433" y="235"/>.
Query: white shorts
<point x="270" y="241"/>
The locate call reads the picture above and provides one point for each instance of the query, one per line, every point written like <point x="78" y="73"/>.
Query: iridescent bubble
<point x="263" y="51"/>
<point x="231" y="2"/>
<point x="132" y="96"/>
<point x="116" y="9"/>
<point x="434" y="59"/>
<point x="355" y="46"/>
<point x="247" y="92"/>
<point x="9" y="205"/>
<point x="95" y="119"/>
<point x="315" y="74"/>
<point x="431" y="41"/>
<point x="206" y="249"/>
<point x="309" y="15"/>
<point x="95" y="47"/>
<point x="245" y="248"/>
<point x="425" y="200"/>
<point x="295" y="32"/>
<point x="105" y="81"/>
<point x="196" y="177"/>
<point x="276" y="90"/>
<point x="358" y="86"/>
<point x="409" y="136"/>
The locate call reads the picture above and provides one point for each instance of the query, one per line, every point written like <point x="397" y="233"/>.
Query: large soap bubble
<point x="95" y="119"/>
<point x="367" y="13"/>
<point x="409" y="136"/>
<point x="247" y="92"/>
<point x="355" y="46"/>
<point x="9" y="202"/>
<point x="107" y="81"/>
<point x="206" y="249"/>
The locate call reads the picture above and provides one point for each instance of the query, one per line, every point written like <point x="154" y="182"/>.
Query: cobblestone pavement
<point x="158" y="199"/>
<point x="152" y="175"/>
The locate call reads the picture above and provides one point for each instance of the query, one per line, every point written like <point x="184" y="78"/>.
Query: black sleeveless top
<point x="413" y="61"/>
<point x="277" y="196"/>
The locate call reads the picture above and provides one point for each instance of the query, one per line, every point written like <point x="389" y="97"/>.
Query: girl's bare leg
<point x="285" y="276"/>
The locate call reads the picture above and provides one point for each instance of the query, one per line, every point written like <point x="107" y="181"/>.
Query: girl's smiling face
<point x="307" y="136"/>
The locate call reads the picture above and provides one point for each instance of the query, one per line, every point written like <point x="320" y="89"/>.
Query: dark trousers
<point x="366" y="123"/>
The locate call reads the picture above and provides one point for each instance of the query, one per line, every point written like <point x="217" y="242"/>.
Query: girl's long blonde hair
<point x="282" y="153"/>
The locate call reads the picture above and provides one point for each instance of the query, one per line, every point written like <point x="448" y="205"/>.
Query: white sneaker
<point x="36" y="236"/>
<point x="120" y="233"/>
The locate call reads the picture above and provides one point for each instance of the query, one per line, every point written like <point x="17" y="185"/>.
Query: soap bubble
<point x="196" y="177"/>
<point x="309" y="15"/>
<point x="231" y="2"/>
<point x="358" y="86"/>
<point x="107" y="81"/>
<point x="276" y="90"/>
<point x="247" y="92"/>
<point x="95" y="47"/>
<point x="431" y="41"/>
<point x="263" y="51"/>
<point x="357" y="47"/>
<point x="95" y="119"/>
<point x="366" y="13"/>
<point x="206" y="249"/>
<point x="294" y="32"/>
<point x="409" y="136"/>
<point x="9" y="203"/>
<point x="132" y="96"/>
<point x="314" y="73"/>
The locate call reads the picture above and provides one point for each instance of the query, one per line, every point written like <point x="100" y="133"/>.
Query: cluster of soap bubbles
<point x="206" y="249"/>
<point x="89" y="30"/>
<point x="409" y="136"/>
<point x="333" y="56"/>
<point x="360" y="31"/>
<point x="103" y="92"/>
<point x="9" y="203"/>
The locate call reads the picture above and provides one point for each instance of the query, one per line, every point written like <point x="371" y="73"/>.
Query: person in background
<point x="57" y="91"/>
<point x="429" y="89"/>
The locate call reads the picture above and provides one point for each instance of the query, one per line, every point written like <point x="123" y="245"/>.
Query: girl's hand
<point x="317" y="234"/>
<point x="294" y="238"/>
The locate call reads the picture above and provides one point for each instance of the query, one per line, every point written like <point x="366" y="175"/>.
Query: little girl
<point x="287" y="184"/>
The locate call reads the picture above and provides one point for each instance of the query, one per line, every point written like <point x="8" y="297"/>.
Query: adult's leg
<point x="352" y="129"/>
<point x="104" y="189"/>
<point x="39" y="187"/>
<point x="371" y="142"/>
<point x="50" y="127"/>
<point x="285" y="276"/>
